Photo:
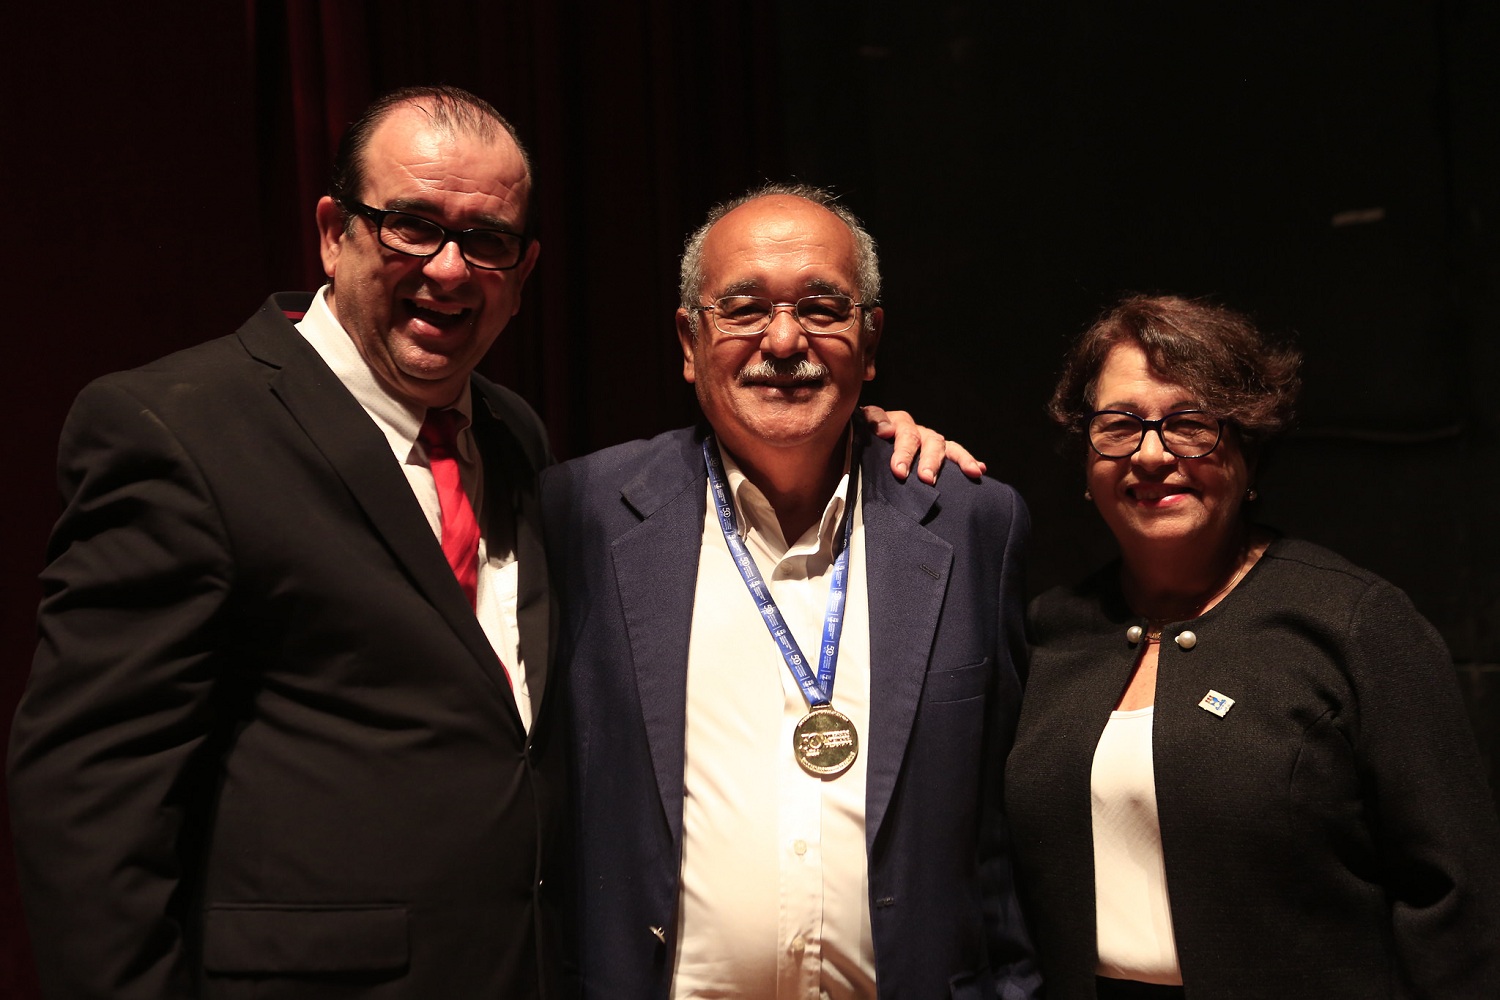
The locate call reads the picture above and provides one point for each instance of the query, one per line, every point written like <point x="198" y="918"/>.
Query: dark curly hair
<point x="1217" y="354"/>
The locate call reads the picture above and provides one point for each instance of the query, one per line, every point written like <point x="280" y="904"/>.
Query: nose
<point x="447" y="268"/>
<point x="1153" y="450"/>
<point x="785" y="336"/>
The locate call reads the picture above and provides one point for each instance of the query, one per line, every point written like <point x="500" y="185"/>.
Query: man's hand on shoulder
<point x="909" y="438"/>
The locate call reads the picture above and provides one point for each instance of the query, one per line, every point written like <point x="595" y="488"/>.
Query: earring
<point x="1088" y="495"/>
<point x="1251" y="496"/>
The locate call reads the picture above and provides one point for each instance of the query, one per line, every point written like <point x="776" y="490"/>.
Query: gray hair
<point x="866" y="262"/>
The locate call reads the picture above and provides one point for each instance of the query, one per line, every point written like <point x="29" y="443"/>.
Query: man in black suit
<point x="270" y="746"/>
<point x="287" y="730"/>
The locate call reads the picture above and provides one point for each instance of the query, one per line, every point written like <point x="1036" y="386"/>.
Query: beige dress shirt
<point x="775" y="893"/>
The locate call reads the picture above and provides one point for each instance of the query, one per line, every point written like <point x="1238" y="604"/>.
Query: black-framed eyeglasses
<point x="750" y="315"/>
<point x="1184" y="433"/>
<point x="488" y="249"/>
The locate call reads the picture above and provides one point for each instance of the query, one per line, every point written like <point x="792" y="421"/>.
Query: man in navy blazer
<point x="744" y="827"/>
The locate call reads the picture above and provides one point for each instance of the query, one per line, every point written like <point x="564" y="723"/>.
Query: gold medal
<point x="825" y="743"/>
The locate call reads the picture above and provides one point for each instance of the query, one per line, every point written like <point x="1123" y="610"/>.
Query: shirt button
<point x="800" y="846"/>
<point x="798" y="944"/>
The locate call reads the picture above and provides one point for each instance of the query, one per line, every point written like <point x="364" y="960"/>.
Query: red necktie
<point x="439" y="435"/>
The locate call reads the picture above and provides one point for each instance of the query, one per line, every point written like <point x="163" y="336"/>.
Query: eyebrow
<point x="420" y="206"/>
<point x="1131" y="406"/>
<point x="751" y="286"/>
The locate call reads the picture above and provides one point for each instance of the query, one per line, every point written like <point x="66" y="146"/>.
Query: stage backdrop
<point x="1329" y="167"/>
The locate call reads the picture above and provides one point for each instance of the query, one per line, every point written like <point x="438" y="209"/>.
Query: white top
<point x="400" y="422"/>
<point x="1130" y="878"/>
<point x="775" y="895"/>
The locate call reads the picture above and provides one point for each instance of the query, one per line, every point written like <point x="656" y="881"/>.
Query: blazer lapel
<point x="906" y="570"/>
<point x="656" y="570"/>
<point x="342" y="431"/>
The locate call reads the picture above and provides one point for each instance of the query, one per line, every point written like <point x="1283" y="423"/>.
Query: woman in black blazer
<point x="1243" y="768"/>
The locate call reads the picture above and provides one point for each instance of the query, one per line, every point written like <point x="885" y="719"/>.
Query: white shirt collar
<point x="756" y="515"/>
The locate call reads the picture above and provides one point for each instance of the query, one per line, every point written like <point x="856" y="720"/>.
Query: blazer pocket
<point x="288" y="939"/>
<point x="959" y="684"/>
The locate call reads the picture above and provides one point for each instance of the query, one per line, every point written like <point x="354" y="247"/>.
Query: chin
<point x="1162" y="529"/>
<point x="789" y="423"/>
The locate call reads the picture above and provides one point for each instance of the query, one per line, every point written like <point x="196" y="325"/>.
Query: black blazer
<point x="265" y="749"/>
<point x="1330" y="836"/>
<point x="944" y="572"/>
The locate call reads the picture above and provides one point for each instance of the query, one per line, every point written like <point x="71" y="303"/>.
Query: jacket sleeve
<point x="1438" y="836"/>
<point x="1012" y="957"/>
<point x="107" y="761"/>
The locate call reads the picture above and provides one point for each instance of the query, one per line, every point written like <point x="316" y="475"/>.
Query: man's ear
<point x="870" y="340"/>
<point x="688" y="339"/>
<point x="331" y="231"/>
<point x="522" y="271"/>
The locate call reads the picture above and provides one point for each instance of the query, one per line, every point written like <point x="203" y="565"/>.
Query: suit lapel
<point x="510" y="489"/>
<point x="906" y="570"/>
<point x="656" y="569"/>
<point x="342" y="431"/>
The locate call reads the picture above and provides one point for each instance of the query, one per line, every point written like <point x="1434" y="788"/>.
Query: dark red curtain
<point x="637" y="117"/>
<point x="169" y="166"/>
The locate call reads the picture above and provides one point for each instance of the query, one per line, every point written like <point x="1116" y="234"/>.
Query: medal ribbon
<point x="818" y="690"/>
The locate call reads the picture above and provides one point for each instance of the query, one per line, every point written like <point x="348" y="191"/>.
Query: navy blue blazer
<point x="622" y="531"/>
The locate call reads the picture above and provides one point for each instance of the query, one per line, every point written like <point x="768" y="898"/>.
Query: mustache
<point x="801" y="370"/>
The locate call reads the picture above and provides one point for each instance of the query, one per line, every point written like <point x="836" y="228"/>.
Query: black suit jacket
<point x="266" y="749"/>
<point x="944" y="579"/>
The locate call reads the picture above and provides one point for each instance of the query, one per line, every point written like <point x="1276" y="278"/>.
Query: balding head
<point x="866" y="261"/>
<point x="447" y="109"/>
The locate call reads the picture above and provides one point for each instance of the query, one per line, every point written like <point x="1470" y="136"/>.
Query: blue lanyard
<point x="817" y="690"/>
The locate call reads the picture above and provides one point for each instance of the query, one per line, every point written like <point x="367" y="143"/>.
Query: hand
<point x="898" y="426"/>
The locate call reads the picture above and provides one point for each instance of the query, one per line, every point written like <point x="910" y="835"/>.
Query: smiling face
<point x="1152" y="497"/>
<point x="781" y="391"/>
<point x="421" y="323"/>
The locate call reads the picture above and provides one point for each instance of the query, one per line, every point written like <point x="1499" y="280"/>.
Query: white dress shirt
<point x="774" y="899"/>
<point x="400" y="422"/>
